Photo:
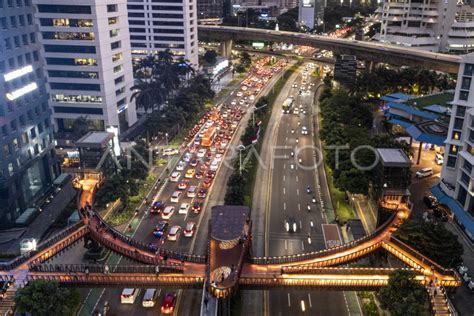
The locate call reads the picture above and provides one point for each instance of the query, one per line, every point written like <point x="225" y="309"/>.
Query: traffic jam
<point x="191" y="180"/>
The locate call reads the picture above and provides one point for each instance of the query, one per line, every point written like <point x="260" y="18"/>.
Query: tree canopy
<point x="210" y="56"/>
<point x="404" y="296"/>
<point x="45" y="298"/>
<point x="433" y="240"/>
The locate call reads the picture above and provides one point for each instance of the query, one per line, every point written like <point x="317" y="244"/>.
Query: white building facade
<point x="457" y="177"/>
<point x="311" y="13"/>
<point x="421" y="24"/>
<point x="461" y="34"/>
<point x="88" y="64"/>
<point x="157" y="25"/>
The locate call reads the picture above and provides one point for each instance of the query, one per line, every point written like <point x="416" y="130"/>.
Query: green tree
<point x="433" y="240"/>
<point x="210" y="57"/>
<point x="404" y="296"/>
<point x="46" y="298"/>
<point x="148" y="95"/>
<point x="245" y="59"/>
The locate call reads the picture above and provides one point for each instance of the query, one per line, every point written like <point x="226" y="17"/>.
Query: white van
<point x="214" y="165"/>
<point x="423" y="173"/>
<point x="129" y="296"/>
<point x="175" y="196"/>
<point x="149" y="299"/>
<point x="439" y="159"/>
<point x="170" y="151"/>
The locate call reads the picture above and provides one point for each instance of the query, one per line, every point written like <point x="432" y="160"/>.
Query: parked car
<point x="170" y="151"/>
<point x="423" y="173"/>
<point x="430" y="201"/>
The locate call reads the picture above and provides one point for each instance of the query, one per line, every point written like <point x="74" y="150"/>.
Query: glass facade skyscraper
<point x="27" y="159"/>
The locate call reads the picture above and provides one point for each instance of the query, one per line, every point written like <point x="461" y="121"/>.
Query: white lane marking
<point x="284" y="177"/>
<point x="284" y="166"/>
<point x="286" y="244"/>
<point x="286" y="139"/>
<point x="297" y="191"/>
<point x="296" y="178"/>
<point x="284" y="206"/>
<point x="302" y="245"/>
<point x="303" y="307"/>
<point x="309" y="300"/>
<point x="284" y="190"/>
<point x="289" y="303"/>
<point x="299" y="207"/>
<point x="301" y="225"/>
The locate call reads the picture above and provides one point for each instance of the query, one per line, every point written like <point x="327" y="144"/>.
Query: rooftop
<point x="227" y="221"/>
<point x="95" y="139"/>
<point x="441" y="99"/>
<point x="393" y="157"/>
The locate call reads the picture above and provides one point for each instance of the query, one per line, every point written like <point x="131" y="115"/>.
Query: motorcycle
<point x="292" y="154"/>
<point x="309" y="208"/>
<point x="308" y="190"/>
<point x="313" y="200"/>
<point x="297" y="141"/>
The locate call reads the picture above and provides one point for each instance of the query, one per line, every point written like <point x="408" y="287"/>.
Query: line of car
<point x="207" y="144"/>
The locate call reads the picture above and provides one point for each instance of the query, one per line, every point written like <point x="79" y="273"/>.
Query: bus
<point x="208" y="137"/>
<point x="287" y="105"/>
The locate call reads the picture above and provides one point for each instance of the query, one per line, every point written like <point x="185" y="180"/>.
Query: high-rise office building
<point x="456" y="188"/>
<point x="86" y="48"/>
<point x="27" y="159"/>
<point x="419" y="24"/>
<point x="157" y="25"/>
<point x="210" y="9"/>
<point x="311" y="13"/>
<point x="461" y="35"/>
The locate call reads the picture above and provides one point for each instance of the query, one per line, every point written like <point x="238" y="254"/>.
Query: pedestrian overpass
<point x="226" y="268"/>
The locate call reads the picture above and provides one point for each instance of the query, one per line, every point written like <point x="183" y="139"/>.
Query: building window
<point x="456" y="135"/>
<point x="466" y="83"/>
<point x="61" y="98"/>
<point x="464" y="95"/>
<point x="113" y="20"/>
<point x="119" y="79"/>
<point x="111" y="8"/>
<point x="74" y="86"/>
<point x="64" y="9"/>
<point x="451" y="161"/>
<point x="117" y="57"/>
<point x="453" y="149"/>
<point x="32" y="38"/>
<point x="462" y="196"/>
<point x="460" y="110"/>
<point x="116" y="45"/>
<point x="114" y="33"/>
<point x="13" y="21"/>
<point x="465" y="178"/>
<point x="21" y="20"/>
<point x="118" y="68"/>
<point x="468" y="69"/>
<point x="65" y="36"/>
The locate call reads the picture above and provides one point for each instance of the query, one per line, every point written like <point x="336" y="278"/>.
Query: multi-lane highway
<point x="295" y="169"/>
<point x="243" y="99"/>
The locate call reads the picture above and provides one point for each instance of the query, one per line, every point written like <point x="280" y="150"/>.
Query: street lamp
<point x="240" y="148"/>
<point x="166" y="136"/>
<point x="255" y="109"/>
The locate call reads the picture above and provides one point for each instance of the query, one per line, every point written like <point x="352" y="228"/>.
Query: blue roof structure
<point x="401" y="96"/>
<point x="421" y="136"/>
<point x="402" y="123"/>
<point x="462" y="216"/>
<point x="386" y="98"/>
<point x="413" y="111"/>
<point x="437" y="109"/>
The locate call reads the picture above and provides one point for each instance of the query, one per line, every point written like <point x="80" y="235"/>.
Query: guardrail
<point x="106" y="269"/>
<point x="325" y="252"/>
<point x="119" y="280"/>
<point x="151" y="251"/>
<point x="69" y="231"/>
<point x="423" y="258"/>
<point x="342" y="271"/>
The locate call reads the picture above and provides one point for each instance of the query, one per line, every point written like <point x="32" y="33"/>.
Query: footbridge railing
<point x="49" y="247"/>
<point x="350" y="256"/>
<point x="168" y="267"/>
<point x="148" y="254"/>
<point x="120" y="279"/>
<point x="342" y="270"/>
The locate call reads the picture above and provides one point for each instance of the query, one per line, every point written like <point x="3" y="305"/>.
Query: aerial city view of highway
<point x="198" y="157"/>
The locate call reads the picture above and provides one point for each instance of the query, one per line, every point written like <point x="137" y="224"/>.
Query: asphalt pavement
<point x="188" y="302"/>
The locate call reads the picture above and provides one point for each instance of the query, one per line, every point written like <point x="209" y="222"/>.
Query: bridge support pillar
<point x="226" y="48"/>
